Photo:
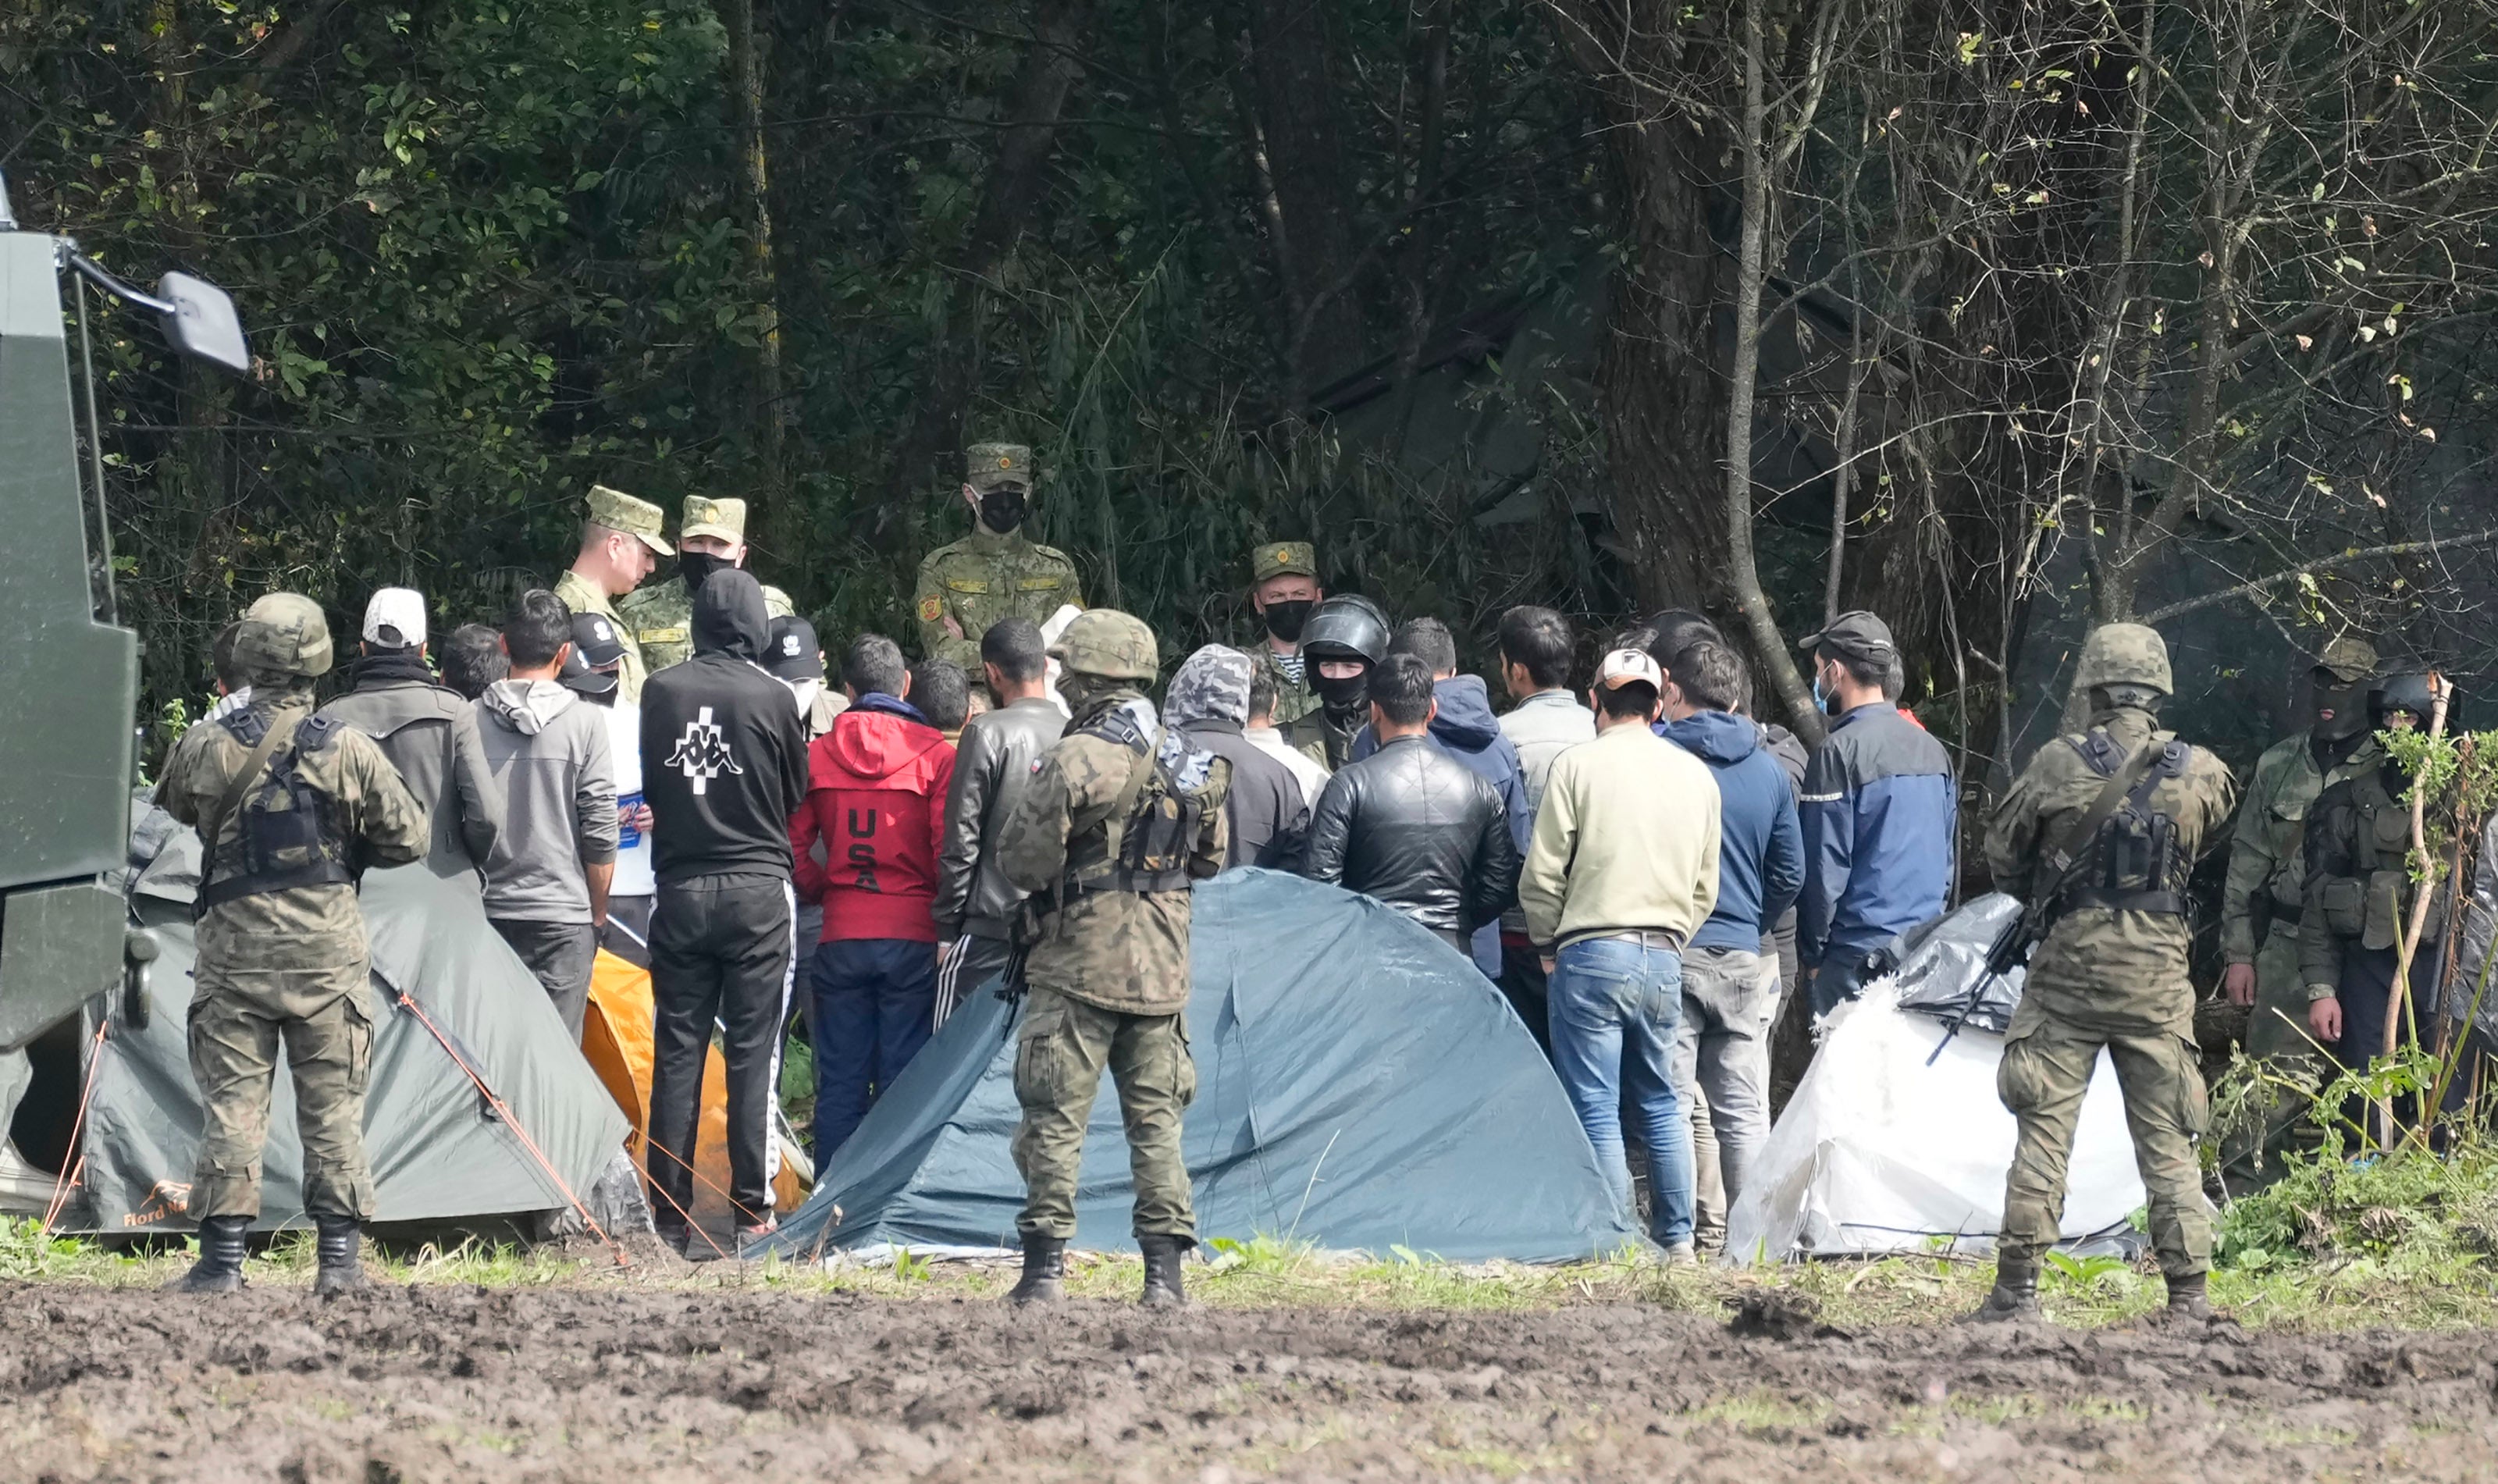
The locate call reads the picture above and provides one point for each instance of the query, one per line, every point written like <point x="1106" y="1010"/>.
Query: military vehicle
<point x="69" y="750"/>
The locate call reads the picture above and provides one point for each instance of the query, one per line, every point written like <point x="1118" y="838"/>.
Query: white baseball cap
<point x="1624" y="665"/>
<point x="396" y="618"/>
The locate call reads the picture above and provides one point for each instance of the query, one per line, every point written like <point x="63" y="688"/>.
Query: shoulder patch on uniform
<point x="931" y="608"/>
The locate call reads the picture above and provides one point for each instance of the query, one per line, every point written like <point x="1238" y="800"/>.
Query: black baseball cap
<point x="578" y="677"/>
<point x="1856" y="633"/>
<point x="596" y="640"/>
<point x="791" y="651"/>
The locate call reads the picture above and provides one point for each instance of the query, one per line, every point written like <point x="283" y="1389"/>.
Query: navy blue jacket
<point x="1760" y="846"/>
<point x="1880" y="816"/>
<point x="1466" y="730"/>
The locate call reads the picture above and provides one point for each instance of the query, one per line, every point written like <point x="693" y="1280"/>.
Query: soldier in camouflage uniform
<point x="1119" y="817"/>
<point x="2112" y="969"/>
<point x="995" y="572"/>
<point x="293" y="807"/>
<point x="2358" y="892"/>
<point x="620" y="546"/>
<point x="1284" y="588"/>
<point x="659" y="615"/>
<point x="2261" y="907"/>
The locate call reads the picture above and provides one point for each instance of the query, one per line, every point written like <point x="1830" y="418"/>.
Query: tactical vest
<point x="286" y="831"/>
<point x="2368" y="903"/>
<point x="2135" y="862"/>
<point x="1145" y="841"/>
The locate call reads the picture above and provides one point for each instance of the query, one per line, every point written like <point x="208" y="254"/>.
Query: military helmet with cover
<point x="1347" y="626"/>
<point x="2349" y="657"/>
<point x="283" y="633"/>
<point x="1105" y="642"/>
<point x="2126" y="665"/>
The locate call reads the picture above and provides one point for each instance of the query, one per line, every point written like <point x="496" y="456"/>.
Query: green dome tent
<point x="457" y="1016"/>
<point x="1359" y="1086"/>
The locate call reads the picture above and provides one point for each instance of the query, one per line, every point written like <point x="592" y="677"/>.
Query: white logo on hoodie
<point x="702" y="752"/>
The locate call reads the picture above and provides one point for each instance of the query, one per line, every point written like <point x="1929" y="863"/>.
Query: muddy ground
<point x="607" y="1384"/>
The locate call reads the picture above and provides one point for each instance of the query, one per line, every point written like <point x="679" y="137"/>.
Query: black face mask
<point x="1284" y="620"/>
<point x="2349" y="703"/>
<point x="1341" y="696"/>
<point x="1003" y="510"/>
<point x="695" y="567"/>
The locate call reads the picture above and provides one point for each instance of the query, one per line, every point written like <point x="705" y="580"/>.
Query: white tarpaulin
<point x="1879" y="1151"/>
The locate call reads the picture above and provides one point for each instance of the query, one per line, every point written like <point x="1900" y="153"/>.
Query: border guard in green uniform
<point x="2261" y="905"/>
<point x="660" y="615"/>
<point x="1119" y="819"/>
<point x="2101" y="832"/>
<point x="292" y="807"/>
<point x="620" y="546"/>
<point x="1284" y="588"/>
<point x="995" y="572"/>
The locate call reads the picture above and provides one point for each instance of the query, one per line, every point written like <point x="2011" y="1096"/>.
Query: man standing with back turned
<point x="292" y="808"/>
<point x="1119" y="819"/>
<point x="724" y="766"/>
<point x="2102" y="830"/>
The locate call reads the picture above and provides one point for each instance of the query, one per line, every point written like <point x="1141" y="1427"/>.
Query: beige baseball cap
<point x="1624" y="665"/>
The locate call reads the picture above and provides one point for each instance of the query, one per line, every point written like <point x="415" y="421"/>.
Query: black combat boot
<point x="219" y="1268"/>
<point x="1163" y="1256"/>
<point x="2015" y="1295"/>
<point x="342" y="1267"/>
<point x="1044" y="1271"/>
<point x="2187" y="1298"/>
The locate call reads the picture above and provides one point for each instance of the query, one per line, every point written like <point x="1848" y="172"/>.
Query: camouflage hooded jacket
<point x="1119" y="950"/>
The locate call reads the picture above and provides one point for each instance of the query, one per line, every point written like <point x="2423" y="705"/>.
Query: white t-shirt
<point x="634" y="876"/>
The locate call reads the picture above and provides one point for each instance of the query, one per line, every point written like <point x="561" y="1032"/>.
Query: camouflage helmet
<point x="283" y="633"/>
<point x="1105" y="642"/>
<point x="2124" y="655"/>
<point x="2351" y="659"/>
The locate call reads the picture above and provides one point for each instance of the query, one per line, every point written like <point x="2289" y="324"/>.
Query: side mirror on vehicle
<point x="199" y="322"/>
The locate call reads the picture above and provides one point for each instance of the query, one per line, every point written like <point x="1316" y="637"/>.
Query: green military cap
<point x="722" y="518"/>
<point x="619" y="511"/>
<point x="990" y="465"/>
<point x="1278" y="558"/>
<point x="2350" y="659"/>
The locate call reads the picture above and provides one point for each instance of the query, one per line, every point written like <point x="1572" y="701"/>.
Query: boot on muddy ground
<point x="219" y="1268"/>
<point x="2188" y="1299"/>
<point x="2015" y="1296"/>
<point x="1163" y="1285"/>
<point x="340" y="1242"/>
<point x="1044" y="1271"/>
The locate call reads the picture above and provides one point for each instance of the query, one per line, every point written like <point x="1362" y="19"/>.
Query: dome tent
<point x="452" y="1007"/>
<point x="1359" y="1086"/>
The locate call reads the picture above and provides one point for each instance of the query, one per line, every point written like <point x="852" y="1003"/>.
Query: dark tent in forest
<point x="1359" y="1086"/>
<point x="457" y="1018"/>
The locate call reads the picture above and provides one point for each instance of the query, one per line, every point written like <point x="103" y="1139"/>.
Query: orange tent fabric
<point x="615" y="1038"/>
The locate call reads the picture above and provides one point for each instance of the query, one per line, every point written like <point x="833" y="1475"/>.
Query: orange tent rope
<point x="73" y="1167"/>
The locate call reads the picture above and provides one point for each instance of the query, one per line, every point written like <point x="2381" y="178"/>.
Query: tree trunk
<point x="1310" y="201"/>
<point x="1017" y="187"/>
<point x="766" y="407"/>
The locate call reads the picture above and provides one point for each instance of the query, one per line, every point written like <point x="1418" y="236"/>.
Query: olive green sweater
<point x="1625" y="840"/>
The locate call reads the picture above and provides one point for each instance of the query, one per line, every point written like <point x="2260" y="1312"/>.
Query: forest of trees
<point x="1996" y="318"/>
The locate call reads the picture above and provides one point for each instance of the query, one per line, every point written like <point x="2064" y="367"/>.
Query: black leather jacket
<point x="1419" y="830"/>
<point x="992" y="764"/>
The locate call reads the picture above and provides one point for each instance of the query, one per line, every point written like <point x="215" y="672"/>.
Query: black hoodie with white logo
<point x="723" y="752"/>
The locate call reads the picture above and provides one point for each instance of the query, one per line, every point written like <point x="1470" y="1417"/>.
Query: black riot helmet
<point x="2414" y="691"/>
<point x="1351" y="627"/>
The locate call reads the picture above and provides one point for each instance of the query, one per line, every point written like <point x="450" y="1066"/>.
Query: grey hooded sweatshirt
<point x="549" y="755"/>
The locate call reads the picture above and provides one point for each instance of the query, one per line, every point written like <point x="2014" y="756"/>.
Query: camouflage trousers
<point x="2251" y="1157"/>
<point x="2045" y="1073"/>
<point x="234" y="1039"/>
<point x="1060" y="1051"/>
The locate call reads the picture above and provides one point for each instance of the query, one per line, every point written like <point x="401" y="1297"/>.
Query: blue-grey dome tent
<point x="1359" y="1086"/>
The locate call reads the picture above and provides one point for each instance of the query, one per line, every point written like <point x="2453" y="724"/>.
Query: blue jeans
<point x="1616" y="1006"/>
<point x="875" y="1000"/>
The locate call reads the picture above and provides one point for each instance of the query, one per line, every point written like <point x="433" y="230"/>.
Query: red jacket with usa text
<point x="876" y="797"/>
